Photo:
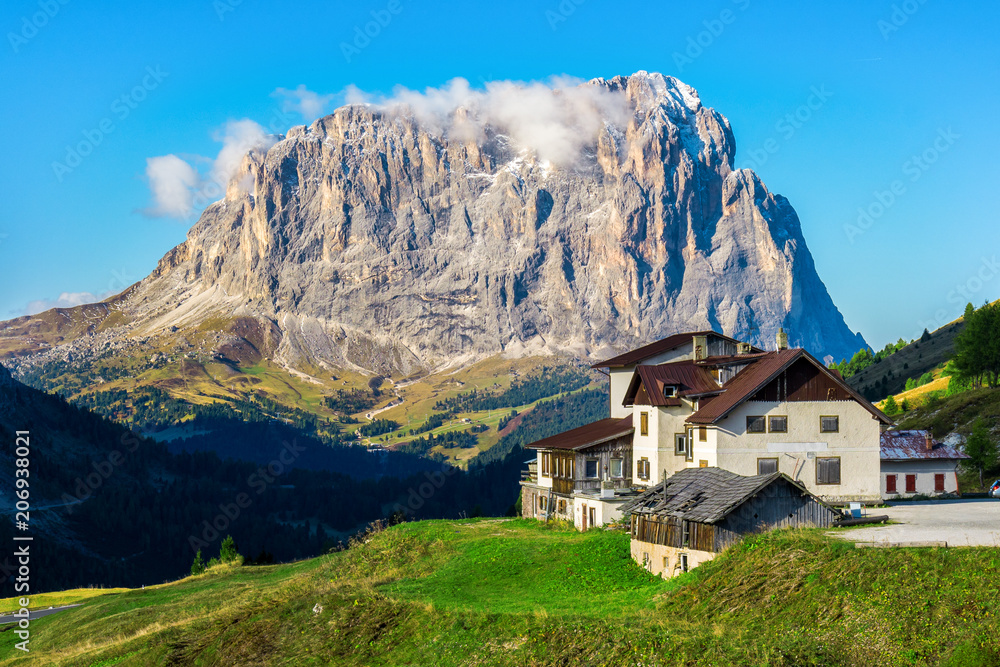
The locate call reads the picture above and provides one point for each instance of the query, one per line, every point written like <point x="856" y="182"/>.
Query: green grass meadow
<point x="516" y="592"/>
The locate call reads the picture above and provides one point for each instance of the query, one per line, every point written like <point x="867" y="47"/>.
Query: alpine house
<point x="703" y="399"/>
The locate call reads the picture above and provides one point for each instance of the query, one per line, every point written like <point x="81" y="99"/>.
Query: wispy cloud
<point x="179" y="188"/>
<point x="172" y="182"/>
<point x="557" y="118"/>
<point x="64" y="300"/>
<point x="308" y="104"/>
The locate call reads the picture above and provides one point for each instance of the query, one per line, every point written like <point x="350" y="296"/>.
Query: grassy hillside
<point x="889" y="375"/>
<point x="123" y="510"/>
<point x="516" y="592"/>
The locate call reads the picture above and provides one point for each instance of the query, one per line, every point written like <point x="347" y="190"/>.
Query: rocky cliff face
<point x="374" y="239"/>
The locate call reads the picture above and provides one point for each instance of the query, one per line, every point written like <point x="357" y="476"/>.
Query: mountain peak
<point x="443" y="227"/>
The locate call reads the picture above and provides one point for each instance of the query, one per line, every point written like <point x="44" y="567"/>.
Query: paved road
<point x="35" y="613"/>
<point x="960" y="523"/>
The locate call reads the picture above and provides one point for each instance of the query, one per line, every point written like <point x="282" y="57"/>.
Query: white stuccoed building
<point x="703" y="399"/>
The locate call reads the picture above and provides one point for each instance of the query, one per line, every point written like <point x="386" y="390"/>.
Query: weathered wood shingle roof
<point x="705" y="495"/>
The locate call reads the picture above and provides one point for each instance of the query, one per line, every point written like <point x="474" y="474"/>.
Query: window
<point x="938" y="483"/>
<point x="590" y="469"/>
<point x="686" y="533"/>
<point x="702" y="433"/>
<point x="669" y="391"/>
<point x="546" y="460"/>
<point x="680" y="444"/>
<point x="593" y="517"/>
<point x="643" y="423"/>
<point x="684" y="562"/>
<point x="616" y="468"/>
<point x="666" y="564"/>
<point x="643" y="468"/>
<point x="777" y="424"/>
<point x="756" y="425"/>
<point x="890" y="484"/>
<point x="767" y="466"/>
<point x="542" y="502"/>
<point x="562" y="506"/>
<point x="829" y="424"/>
<point x="558" y="467"/>
<point x="645" y="560"/>
<point x="911" y="483"/>
<point x="828" y="470"/>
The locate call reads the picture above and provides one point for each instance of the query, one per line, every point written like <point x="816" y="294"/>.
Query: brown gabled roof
<point x="688" y="377"/>
<point x="659" y="347"/>
<point x="586" y="436"/>
<point x="747" y="382"/>
<point x="647" y="351"/>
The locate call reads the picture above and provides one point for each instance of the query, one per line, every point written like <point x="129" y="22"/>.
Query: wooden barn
<point x="697" y="512"/>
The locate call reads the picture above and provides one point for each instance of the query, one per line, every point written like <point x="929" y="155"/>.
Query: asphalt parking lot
<point x="959" y="523"/>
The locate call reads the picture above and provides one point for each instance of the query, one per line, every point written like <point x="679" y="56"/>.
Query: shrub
<point x="198" y="566"/>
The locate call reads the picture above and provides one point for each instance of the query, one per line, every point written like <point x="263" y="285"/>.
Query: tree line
<point x="547" y="382"/>
<point x="977" y="346"/>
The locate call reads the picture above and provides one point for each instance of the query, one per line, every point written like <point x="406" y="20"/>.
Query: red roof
<point x="586" y="436"/>
<point x="751" y="379"/>
<point x="653" y="349"/>
<point x="689" y="378"/>
<point x="912" y="446"/>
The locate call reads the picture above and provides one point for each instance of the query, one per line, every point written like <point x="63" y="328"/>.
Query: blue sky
<point x="882" y="107"/>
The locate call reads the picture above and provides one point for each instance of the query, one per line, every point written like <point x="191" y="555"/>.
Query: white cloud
<point x="172" y="181"/>
<point x="306" y="103"/>
<point x="238" y="138"/>
<point x="178" y="188"/>
<point x="556" y="119"/>
<point x="64" y="300"/>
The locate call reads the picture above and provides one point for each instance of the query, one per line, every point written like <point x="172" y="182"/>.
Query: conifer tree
<point x="981" y="449"/>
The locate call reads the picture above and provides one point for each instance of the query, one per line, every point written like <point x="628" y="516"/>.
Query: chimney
<point x="700" y="347"/>
<point x="782" y="339"/>
<point x="928" y="441"/>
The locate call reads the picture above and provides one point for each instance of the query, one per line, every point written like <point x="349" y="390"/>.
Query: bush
<point x="229" y="552"/>
<point x="198" y="566"/>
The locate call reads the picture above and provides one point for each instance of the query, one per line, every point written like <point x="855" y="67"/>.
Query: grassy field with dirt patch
<point x="515" y="592"/>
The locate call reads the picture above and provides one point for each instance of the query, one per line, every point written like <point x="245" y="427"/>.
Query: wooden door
<point x="890" y="484"/>
<point x="911" y="483"/>
<point x="939" y="483"/>
<point x="584" y="510"/>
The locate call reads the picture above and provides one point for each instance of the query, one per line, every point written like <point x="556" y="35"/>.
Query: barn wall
<point x="777" y="506"/>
